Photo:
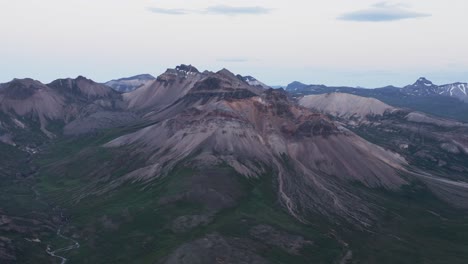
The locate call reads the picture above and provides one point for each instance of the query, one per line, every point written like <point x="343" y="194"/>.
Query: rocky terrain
<point x="421" y="138"/>
<point x="214" y="167"/>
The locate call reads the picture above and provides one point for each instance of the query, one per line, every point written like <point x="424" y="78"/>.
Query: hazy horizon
<point x="361" y="43"/>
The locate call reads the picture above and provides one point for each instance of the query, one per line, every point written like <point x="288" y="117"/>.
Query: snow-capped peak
<point x="423" y="82"/>
<point x="186" y="69"/>
<point x="254" y="82"/>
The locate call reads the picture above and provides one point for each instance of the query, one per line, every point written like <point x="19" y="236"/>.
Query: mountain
<point x="345" y="105"/>
<point x="296" y="86"/>
<point x="458" y="90"/>
<point x="63" y="106"/>
<point x="215" y="168"/>
<point x="251" y="133"/>
<point x="30" y="98"/>
<point x="421" y="88"/>
<point x="82" y="87"/>
<point x="447" y="101"/>
<point x="174" y="84"/>
<point x="424" y="87"/>
<point x="125" y="85"/>
<point x="166" y="89"/>
<point x="422" y="139"/>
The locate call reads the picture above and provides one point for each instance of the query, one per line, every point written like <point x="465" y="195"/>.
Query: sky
<point x="335" y="42"/>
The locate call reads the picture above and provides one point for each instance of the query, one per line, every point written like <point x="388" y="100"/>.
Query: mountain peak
<point x="81" y="86"/>
<point x="226" y="72"/>
<point x="422" y="81"/>
<point x="186" y="68"/>
<point x="20" y="89"/>
<point x="84" y="79"/>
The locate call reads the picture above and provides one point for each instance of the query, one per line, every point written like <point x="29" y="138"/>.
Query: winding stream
<point x="53" y="253"/>
<point x="73" y="243"/>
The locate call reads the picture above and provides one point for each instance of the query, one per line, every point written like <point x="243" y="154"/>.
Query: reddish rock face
<point x="219" y="118"/>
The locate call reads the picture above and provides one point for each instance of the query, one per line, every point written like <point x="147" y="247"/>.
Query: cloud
<point x="237" y="10"/>
<point x="214" y="10"/>
<point x="169" y="11"/>
<point x="383" y="12"/>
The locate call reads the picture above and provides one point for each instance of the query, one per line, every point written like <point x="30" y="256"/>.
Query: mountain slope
<point x="221" y="123"/>
<point x="458" y="90"/>
<point x="345" y="105"/>
<point x="439" y="144"/>
<point x="31" y="99"/>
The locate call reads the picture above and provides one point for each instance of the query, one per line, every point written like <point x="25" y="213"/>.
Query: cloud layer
<point x="215" y="10"/>
<point x="382" y="12"/>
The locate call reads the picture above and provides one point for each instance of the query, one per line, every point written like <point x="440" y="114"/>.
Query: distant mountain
<point x="296" y="86"/>
<point x="448" y="101"/>
<point x="424" y="87"/>
<point x="277" y="86"/>
<point x="129" y="84"/>
<point x="457" y="90"/>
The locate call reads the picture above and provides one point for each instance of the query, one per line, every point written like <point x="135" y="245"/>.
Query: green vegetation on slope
<point x="134" y="222"/>
<point x="132" y="225"/>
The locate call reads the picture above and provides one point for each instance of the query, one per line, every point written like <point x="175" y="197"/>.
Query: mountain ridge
<point x="215" y="166"/>
<point x="422" y="87"/>
<point x="446" y="101"/>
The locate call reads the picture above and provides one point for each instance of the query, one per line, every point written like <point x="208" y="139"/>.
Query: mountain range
<point x="448" y="101"/>
<point x="214" y="167"/>
<point x="422" y="87"/>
